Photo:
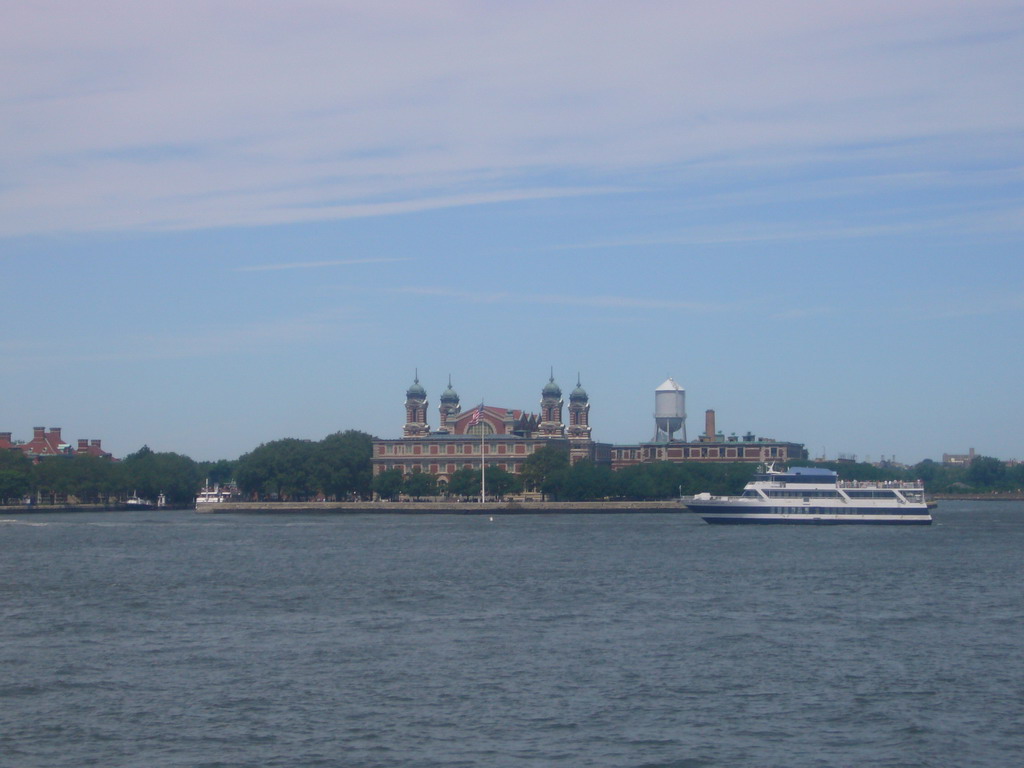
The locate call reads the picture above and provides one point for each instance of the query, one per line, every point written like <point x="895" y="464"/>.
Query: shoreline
<point x="380" y="507"/>
<point x="444" y="507"/>
<point x="430" y="507"/>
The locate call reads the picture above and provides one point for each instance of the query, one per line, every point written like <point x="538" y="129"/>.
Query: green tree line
<point x="338" y="467"/>
<point x="94" y="480"/>
<point x="335" y="468"/>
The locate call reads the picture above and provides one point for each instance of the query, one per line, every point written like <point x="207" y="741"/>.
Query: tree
<point x="282" y="469"/>
<point x="94" y="479"/>
<point x="542" y="464"/>
<point x="501" y="482"/>
<point x="388" y="484"/>
<point x="342" y="464"/>
<point x="464" y="482"/>
<point x="986" y="472"/>
<point x="585" y="481"/>
<point x="52" y="477"/>
<point x="150" y="474"/>
<point x="15" y="476"/>
<point x="420" y="484"/>
<point x="220" y="472"/>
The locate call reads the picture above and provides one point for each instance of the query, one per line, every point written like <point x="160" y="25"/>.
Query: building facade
<point x="48" y="442"/>
<point x="712" y="446"/>
<point x="503" y="437"/>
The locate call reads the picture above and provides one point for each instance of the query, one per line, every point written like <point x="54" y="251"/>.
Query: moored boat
<point x="814" y="495"/>
<point x="215" y="495"/>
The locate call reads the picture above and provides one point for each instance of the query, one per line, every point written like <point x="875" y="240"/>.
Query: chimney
<point x="55" y="433"/>
<point x="5" y="437"/>
<point x="95" y="443"/>
<point x="709" y="424"/>
<point x="38" y="433"/>
<point x="82" y="444"/>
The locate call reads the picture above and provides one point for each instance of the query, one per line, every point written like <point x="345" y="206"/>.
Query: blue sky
<point x="223" y="223"/>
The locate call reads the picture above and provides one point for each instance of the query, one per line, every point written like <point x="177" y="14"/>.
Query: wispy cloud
<point x="1006" y="217"/>
<point x="316" y="264"/>
<point x="124" y="117"/>
<point x="803" y="313"/>
<point x="216" y="341"/>
<point x="567" y="300"/>
<point x="750" y="233"/>
<point x="957" y="306"/>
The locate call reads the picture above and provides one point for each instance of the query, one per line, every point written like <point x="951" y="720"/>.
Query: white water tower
<point x="669" y="411"/>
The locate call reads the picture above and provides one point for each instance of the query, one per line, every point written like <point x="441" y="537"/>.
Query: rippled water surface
<point x="176" y="639"/>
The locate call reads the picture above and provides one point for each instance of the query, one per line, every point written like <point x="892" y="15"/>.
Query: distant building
<point x="712" y="446"/>
<point x="48" y="442"/>
<point x="958" y="459"/>
<point x="91" y="448"/>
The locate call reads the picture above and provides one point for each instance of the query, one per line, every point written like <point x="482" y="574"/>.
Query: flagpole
<point x="483" y="463"/>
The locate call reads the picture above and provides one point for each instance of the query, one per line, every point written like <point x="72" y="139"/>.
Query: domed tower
<point x="551" y="410"/>
<point x="579" y="413"/>
<point x="449" y="407"/>
<point x="416" y="410"/>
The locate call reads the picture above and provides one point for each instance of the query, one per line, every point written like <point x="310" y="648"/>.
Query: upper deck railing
<point x="901" y="485"/>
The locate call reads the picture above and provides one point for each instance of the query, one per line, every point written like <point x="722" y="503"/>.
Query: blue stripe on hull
<point x="809" y="521"/>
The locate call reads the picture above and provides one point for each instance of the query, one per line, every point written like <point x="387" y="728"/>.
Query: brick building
<point x="48" y="442"/>
<point x="712" y="446"/>
<point x="505" y="437"/>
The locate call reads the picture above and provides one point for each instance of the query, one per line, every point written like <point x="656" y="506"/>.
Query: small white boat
<point x="215" y="495"/>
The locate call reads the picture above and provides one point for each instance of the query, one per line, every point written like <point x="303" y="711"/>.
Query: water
<point x="174" y="639"/>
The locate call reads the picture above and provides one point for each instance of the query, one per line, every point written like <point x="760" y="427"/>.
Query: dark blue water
<point x="175" y="639"/>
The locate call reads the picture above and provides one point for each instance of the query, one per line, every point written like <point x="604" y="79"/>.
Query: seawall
<point x="440" y="507"/>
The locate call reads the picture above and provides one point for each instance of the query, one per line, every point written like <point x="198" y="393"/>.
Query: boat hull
<point x="750" y="519"/>
<point x="722" y="515"/>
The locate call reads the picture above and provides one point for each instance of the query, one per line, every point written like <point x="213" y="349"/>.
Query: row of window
<point x="449" y="450"/>
<point x="437" y="469"/>
<point x="701" y="452"/>
<point x="799" y="494"/>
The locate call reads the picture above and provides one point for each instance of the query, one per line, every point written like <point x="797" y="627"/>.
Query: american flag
<point x="478" y="414"/>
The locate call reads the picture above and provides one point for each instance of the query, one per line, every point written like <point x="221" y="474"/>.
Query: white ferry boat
<point x="215" y="495"/>
<point x="815" y="495"/>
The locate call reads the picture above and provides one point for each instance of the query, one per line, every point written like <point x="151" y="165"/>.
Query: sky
<point x="224" y="223"/>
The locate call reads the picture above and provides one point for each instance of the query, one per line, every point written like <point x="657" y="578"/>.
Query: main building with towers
<point x="505" y="435"/>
